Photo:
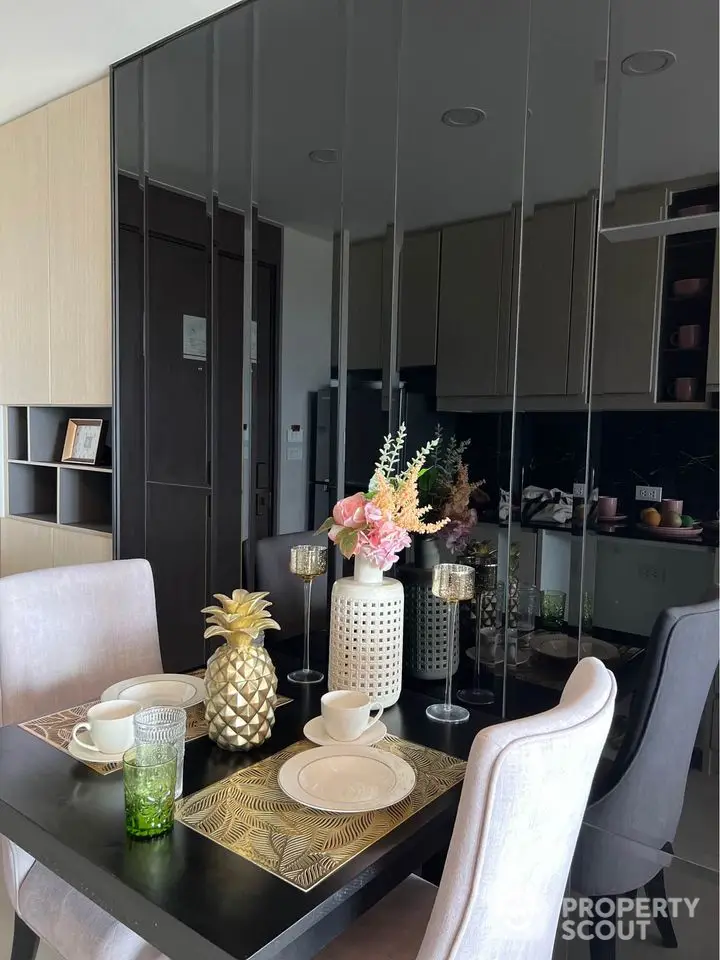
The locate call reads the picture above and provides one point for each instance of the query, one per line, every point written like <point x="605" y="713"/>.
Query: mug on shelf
<point x="686" y="337"/>
<point x="670" y="506"/>
<point x="607" y="507"/>
<point x="684" y="389"/>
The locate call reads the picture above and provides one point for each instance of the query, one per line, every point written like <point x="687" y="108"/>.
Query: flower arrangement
<point x="377" y="525"/>
<point x="447" y="491"/>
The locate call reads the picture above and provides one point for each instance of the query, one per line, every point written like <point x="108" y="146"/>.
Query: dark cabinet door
<point x="227" y="454"/>
<point x="263" y="431"/>
<point x="177" y="548"/>
<point x="177" y="416"/>
<point x="129" y="428"/>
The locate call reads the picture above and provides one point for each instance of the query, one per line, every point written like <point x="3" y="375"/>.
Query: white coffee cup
<point x="109" y="727"/>
<point x="346" y="714"/>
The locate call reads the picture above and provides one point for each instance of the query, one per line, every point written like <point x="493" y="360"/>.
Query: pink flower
<point x="350" y="512"/>
<point x="457" y="533"/>
<point x="372" y="513"/>
<point x="382" y="543"/>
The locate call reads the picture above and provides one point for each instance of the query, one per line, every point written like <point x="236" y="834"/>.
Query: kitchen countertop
<point x="627" y="530"/>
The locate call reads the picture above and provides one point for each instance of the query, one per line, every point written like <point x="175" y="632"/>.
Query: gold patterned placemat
<point x="249" y="814"/>
<point x="56" y="728"/>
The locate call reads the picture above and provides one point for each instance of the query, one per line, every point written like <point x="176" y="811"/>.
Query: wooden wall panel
<point x="24" y="330"/>
<point x="24" y="546"/>
<point x="73" y="546"/>
<point x="79" y="245"/>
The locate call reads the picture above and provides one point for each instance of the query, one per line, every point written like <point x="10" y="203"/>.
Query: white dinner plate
<point x="91" y="756"/>
<point x="159" y="690"/>
<point x="521" y="657"/>
<point x="315" y="730"/>
<point x="346" y="779"/>
<point x="561" y="647"/>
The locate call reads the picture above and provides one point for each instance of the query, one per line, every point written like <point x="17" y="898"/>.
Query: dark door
<point x="179" y="402"/>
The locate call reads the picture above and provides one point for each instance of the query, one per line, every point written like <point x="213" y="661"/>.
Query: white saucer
<point x="315" y="730"/>
<point x="92" y="756"/>
<point x="346" y="779"/>
<point x="159" y="690"/>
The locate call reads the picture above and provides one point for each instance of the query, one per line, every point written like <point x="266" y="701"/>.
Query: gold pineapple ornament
<point x="240" y="678"/>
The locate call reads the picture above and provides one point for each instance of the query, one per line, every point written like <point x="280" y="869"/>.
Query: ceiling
<point x="49" y="48"/>
<point x="299" y="80"/>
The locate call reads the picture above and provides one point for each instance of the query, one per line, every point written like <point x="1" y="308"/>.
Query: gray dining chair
<point x="65" y="635"/>
<point x="272" y="573"/>
<point x="637" y="800"/>
<point x="522" y="803"/>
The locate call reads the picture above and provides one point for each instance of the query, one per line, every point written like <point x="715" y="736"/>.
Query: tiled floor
<point x="697" y="841"/>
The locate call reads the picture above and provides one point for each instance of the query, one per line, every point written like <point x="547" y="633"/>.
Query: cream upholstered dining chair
<point x="65" y="635"/>
<point x="522" y="804"/>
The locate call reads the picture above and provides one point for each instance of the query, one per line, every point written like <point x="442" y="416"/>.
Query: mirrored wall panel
<point x="490" y="226"/>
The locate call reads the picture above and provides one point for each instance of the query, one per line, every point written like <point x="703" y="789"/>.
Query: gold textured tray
<point x="249" y="814"/>
<point x="56" y="728"/>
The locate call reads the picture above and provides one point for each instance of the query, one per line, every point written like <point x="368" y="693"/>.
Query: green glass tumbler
<point x="149" y="772"/>
<point x="552" y="609"/>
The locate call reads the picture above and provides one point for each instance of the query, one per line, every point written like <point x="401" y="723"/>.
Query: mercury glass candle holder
<point x="307" y="561"/>
<point x="452" y="582"/>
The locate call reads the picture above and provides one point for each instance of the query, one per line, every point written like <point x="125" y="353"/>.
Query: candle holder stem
<point x="306" y="675"/>
<point x="447" y="712"/>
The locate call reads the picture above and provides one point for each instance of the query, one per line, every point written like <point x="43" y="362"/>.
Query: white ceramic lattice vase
<point x="366" y="631"/>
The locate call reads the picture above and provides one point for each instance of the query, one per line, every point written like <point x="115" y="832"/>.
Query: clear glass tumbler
<point x="149" y="772"/>
<point x="155" y="725"/>
<point x="528" y="607"/>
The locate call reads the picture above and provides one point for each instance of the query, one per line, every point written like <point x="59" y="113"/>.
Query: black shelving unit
<point x="687" y="256"/>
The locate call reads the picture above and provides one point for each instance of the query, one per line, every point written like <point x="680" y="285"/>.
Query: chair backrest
<point x="522" y="804"/>
<point x="640" y="799"/>
<point x="272" y="573"/>
<point x="69" y="632"/>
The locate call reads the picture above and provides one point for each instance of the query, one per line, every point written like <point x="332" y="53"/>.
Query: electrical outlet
<point x="651" y="494"/>
<point x="579" y="491"/>
<point x="647" y="571"/>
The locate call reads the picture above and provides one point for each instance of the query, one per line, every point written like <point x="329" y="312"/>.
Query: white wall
<point x="304" y="362"/>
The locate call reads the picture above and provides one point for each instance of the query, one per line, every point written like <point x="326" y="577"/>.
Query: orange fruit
<point x="651" y="517"/>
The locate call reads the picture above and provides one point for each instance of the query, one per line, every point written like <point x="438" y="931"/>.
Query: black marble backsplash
<point x="675" y="450"/>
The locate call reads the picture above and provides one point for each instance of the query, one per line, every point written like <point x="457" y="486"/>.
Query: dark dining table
<point x="187" y="895"/>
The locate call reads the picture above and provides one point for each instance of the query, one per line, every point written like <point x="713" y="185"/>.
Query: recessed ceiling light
<point x="644" y="63"/>
<point x="463" y="116"/>
<point x="328" y="155"/>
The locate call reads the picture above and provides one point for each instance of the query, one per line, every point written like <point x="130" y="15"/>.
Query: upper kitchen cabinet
<point x="365" y="305"/>
<point x="554" y="303"/>
<point x="79" y="232"/>
<point x="629" y="284"/>
<point x="370" y="299"/>
<point x="474" y="313"/>
<point x="24" y="289"/>
<point x="55" y="294"/>
<point x="419" y="290"/>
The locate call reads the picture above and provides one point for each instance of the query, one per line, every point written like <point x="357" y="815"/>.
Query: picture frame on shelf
<point x="83" y="441"/>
